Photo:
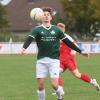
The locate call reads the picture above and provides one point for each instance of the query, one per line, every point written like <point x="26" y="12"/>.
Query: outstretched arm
<point x="73" y="46"/>
<point x="26" y="44"/>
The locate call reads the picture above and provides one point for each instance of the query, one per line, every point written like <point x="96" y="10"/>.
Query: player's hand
<point x="23" y="51"/>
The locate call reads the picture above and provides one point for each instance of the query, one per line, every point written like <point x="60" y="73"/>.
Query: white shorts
<point x="47" y="66"/>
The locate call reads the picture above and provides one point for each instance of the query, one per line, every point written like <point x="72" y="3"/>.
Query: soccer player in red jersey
<point x="67" y="61"/>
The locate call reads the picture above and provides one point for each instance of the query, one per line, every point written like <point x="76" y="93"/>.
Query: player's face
<point x="46" y="17"/>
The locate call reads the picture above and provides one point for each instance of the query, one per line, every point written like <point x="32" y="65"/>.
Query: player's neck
<point x="47" y="24"/>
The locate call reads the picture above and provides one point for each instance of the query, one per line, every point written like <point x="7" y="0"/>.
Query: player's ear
<point x="50" y="17"/>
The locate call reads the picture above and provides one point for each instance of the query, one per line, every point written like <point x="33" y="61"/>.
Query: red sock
<point x="85" y="78"/>
<point x="60" y="82"/>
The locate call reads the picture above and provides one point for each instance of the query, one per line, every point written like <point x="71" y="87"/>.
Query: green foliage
<point x="80" y="14"/>
<point x="3" y="20"/>
<point x="58" y="18"/>
<point x="16" y="37"/>
<point x="97" y="3"/>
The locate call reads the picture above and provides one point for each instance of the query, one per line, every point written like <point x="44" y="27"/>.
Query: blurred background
<point x="82" y="19"/>
<point x="17" y="72"/>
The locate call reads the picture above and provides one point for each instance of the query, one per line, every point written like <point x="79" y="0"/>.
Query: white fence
<point x="90" y="47"/>
<point x="15" y="48"/>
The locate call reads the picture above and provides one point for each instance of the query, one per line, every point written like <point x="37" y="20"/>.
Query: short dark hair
<point x="48" y="9"/>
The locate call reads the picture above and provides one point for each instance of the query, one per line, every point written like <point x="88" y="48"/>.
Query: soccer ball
<point x="36" y="14"/>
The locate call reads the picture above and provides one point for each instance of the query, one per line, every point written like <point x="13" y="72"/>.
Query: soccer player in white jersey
<point x="47" y="37"/>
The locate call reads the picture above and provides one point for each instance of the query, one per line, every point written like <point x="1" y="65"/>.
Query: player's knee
<point x="77" y="74"/>
<point x="61" y="70"/>
<point x="41" y="86"/>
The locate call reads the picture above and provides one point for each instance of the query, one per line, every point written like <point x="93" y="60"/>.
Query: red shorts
<point x="68" y="63"/>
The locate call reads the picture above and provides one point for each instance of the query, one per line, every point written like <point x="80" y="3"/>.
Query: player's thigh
<point x="63" y="66"/>
<point x="71" y="64"/>
<point x="54" y="68"/>
<point x="41" y="70"/>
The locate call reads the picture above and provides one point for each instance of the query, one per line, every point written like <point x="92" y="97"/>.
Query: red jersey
<point x="67" y="57"/>
<point x="65" y="51"/>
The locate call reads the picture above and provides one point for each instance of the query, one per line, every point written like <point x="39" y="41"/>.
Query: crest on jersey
<point x="52" y="32"/>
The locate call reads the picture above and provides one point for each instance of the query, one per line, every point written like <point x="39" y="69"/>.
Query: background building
<point x="18" y="12"/>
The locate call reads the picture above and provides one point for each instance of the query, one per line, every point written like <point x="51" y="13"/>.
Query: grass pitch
<point x="18" y="82"/>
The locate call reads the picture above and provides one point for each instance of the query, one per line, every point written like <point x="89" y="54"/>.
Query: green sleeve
<point x="34" y="32"/>
<point x="61" y="34"/>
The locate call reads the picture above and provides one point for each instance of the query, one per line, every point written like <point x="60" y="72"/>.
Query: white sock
<point x="59" y="93"/>
<point x="93" y="81"/>
<point x="62" y="90"/>
<point x="41" y="94"/>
